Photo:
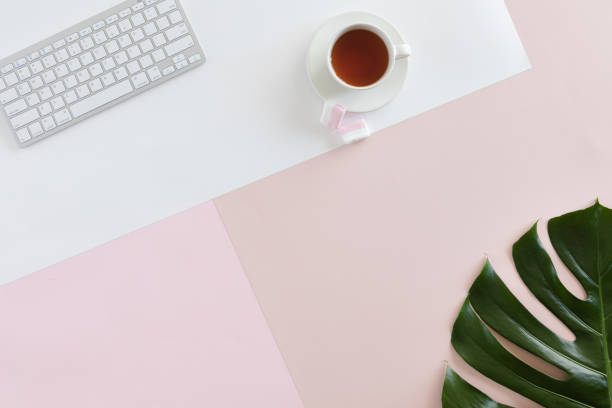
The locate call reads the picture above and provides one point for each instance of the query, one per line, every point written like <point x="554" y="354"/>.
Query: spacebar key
<point x="101" y="98"/>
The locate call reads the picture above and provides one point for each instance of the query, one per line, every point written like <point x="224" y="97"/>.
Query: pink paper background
<point x="361" y="258"/>
<point x="163" y="317"/>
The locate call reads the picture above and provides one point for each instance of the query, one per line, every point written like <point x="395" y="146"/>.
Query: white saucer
<point x="325" y="84"/>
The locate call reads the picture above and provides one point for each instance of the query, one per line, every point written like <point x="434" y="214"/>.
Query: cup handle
<point x="402" y="51"/>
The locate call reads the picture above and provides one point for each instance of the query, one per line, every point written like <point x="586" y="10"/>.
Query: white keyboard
<point x="94" y="65"/>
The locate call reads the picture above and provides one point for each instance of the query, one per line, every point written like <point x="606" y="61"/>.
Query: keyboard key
<point x="58" y="87"/>
<point x="108" y="64"/>
<point x="37" y="67"/>
<point x="100" y="37"/>
<point x="72" y="37"/>
<point x="168" y="70"/>
<point x="125" y="26"/>
<point x="150" y="13"/>
<point x="83" y="76"/>
<point x="83" y="91"/>
<point x="195" y="58"/>
<point x="20" y="63"/>
<point x="133" y="67"/>
<point x="176" y="32"/>
<point x="71" y="82"/>
<point x="86" y="31"/>
<point x="112" y="19"/>
<point x="45" y="109"/>
<point x="11" y="79"/>
<point x="112" y="31"/>
<point x="49" y="61"/>
<point x="45" y="93"/>
<point x="99" y="25"/>
<point x="74" y="49"/>
<point x="178" y="58"/>
<point x="112" y="47"/>
<point x="96" y="70"/>
<point x="95" y="85"/>
<point x="146" y="46"/>
<point x="137" y="35"/>
<point x="134" y="52"/>
<point x="121" y="58"/>
<point x="138" y="6"/>
<point x="48" y="123"/>
<point x="23" y="88"/>
<point x="6" y="69"/>
<point x="16" y="107"/>
<point x="179" y="45"/>
<point x="62" y="55"/>
<point x="33" y="56"/>
<point x="74" y="65"/>
<point x="87" y="43"/>
<point x="70" y="97"/>
<point x="57" y="103"/>
<point x="140" y="80"/>
<point x="125" y="41"/>
<point x="87" y="59"/>
<point x="108" y="79"/>
<point x="146" y="61"/>
<point x="166" y="6"/>
<point x="8" y="96"/>
<point x="159" y="40"/>
<point x="61" y="71"/>
<point x="48" y="77"/>
<point x="2" y="85"/>
<point x="102" y="98"/>
<point x="120" y="73"/>
<point x="125" y="12"/>
<point x="163" y="23"/>
<point x="36" y="82"/>
<point x="150" y="29"/>
<point x="46" y="50"/>
<point x="99" y="53"/>
<point x="62" y="117"/>
<point x="24" y="73"/>
<point x="181" y="64"/>
<point x="23" y="135"/>
<point x="25" y="118"/>
<point x="154" y="74"/>
<point x="137" y="19"/>
<point x="149" y="2"/>
<point x="35" y="129"/>
<point x="33" y="99"/>
<point x="176" y="17"/>
<point x="59" y="44"/>
<point x="158" y="55"/>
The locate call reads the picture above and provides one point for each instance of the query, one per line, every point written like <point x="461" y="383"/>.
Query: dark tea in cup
<point x="360" y="57"/>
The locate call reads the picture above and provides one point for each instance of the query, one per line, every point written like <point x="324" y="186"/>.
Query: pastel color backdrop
<point x="162" y="317"/>
<point x="361" y="258"/>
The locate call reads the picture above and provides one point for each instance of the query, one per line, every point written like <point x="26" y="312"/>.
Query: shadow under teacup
<point x="361" y="56"/>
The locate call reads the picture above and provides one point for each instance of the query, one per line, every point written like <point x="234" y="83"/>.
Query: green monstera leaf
<point x="583" y="241"/>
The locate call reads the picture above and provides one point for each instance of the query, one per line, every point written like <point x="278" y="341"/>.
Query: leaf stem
<point x="604" y="331"/>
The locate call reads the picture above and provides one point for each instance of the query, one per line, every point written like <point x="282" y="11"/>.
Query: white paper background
<point x="248" y="113"/>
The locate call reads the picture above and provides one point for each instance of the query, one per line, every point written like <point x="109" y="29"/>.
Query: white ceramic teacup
<point x="395" y="52"/>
